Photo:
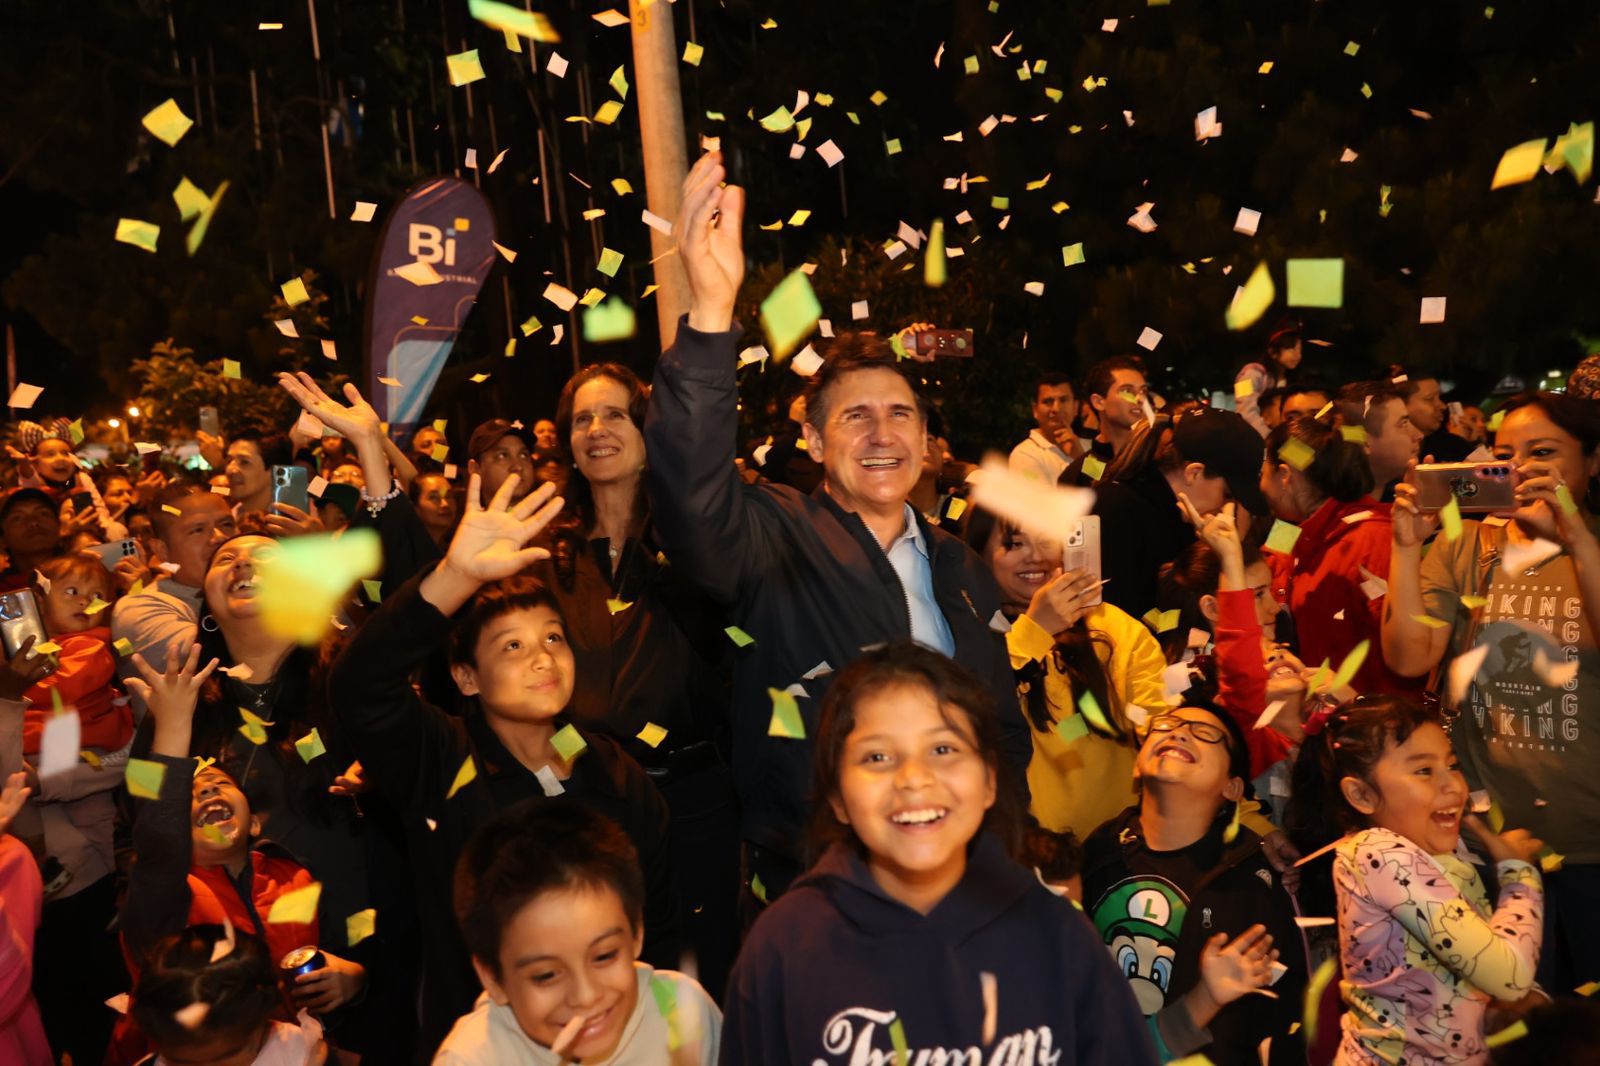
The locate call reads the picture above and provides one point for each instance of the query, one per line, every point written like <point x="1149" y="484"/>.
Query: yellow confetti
<point x="1319" y="982"/>
<point x="138" y="233"/>
<point x="1472" y="603"/>
<point x="779" y="121"/>
<point x="1283" y="536"/>
<point x="616" y="606"/>
<point x="621" y="186"/>
<point x="739" y="637"/>
<point x="301" y="582"/>
<point x="464" y="67"/>
<point x="568" y="742"/>
<point x="465" y="775"/>
<point x="1450" y="519"/>
<point x="144" y="778"/>
<point x="190" y="199"/>
<point x="1519" y="164"/>
<point x="359" y="926"/>
<point x="230" y="369"/>
<point x="609" y="262"/>
<point x="692" y="53"/>
<point x="608" y="112"/>
<point x="1430" y="621"/>
<point x="254" y="728"/>
<point x="935" y="262"/>
<point x="1253" y="300"/>
<point x="1230" y="834"/>
<point x="1352" y="663"/>
<point x="298" y="907"/>
<point x="167" y="122"/>
<point x="48" y="647"/>
<point x="1515" y="1031"/>
<point x="294" y="292"/>
<point x="652" y="734"/>
<point x="757" y="889"/>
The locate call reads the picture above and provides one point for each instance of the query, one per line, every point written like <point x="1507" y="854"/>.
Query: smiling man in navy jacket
<point x="812" y="579"/>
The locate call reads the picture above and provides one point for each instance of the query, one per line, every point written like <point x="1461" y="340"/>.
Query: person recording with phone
<point x="1081" y="664"/>
<point x="1519" y="592"/>
<point x="72" y="812"/>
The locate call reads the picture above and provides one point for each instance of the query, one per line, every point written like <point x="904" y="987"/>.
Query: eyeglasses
<point x="1204" y="732"/>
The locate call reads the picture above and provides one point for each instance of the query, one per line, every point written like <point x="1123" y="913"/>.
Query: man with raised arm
<point x="808" y="581"/>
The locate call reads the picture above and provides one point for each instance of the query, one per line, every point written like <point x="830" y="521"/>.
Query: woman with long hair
<point x="650" y="651"/>
<point x="1507" y="607"/>
<point x="1083" y="667"/>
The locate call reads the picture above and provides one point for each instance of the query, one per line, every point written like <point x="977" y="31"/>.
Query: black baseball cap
<point x="23" y="495"/>
<point x="1229" y="446"/>
<point x="492" y="432"/>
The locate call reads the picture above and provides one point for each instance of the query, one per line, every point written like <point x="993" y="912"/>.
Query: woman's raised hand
<point x="356" y="420"/>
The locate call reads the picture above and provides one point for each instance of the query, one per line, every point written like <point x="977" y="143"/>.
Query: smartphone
<point x="947" y="342"/>
<point x="1080" y="550"/>
<point x="19" y="620"/>
<point x="82" y="501"/>
<point x="113" y="553"/>
<point x="1479" y="488"/>
<point x="291" y="485"/>
<point x="209" y="422"/>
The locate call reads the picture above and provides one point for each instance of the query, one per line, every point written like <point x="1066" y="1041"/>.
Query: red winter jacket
<point x="1320" y="583"/>
<point x="86" y="681"/>
<point x="1242" y="676"/>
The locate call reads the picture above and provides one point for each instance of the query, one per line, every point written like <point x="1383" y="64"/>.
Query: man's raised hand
<point x="711" y="243"/>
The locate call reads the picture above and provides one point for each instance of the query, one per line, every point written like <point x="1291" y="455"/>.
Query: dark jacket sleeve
<point x="158" y="897"/>
<point x="1124" y="554"/>
<point x="663" y="932"/>
<point x="408" y="549"/>
<point x="697" y="501"/>
<point x="407" y="747"/>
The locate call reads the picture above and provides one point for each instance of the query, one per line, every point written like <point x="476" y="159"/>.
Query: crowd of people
<point x="650" y="745"/>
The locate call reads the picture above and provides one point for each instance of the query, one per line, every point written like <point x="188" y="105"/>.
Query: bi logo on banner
<point x="430" y="244"/>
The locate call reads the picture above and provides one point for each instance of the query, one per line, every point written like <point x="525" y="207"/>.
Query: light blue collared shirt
<point x="909" y="557"/>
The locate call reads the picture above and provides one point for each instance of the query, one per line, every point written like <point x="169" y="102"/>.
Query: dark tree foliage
<point x="1514" y="263"/>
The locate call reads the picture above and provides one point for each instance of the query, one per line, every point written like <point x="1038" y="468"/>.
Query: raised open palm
<point x="490" y="541"/>
<point x="355" y="421"/>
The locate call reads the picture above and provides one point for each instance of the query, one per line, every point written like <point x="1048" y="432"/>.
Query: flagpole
<point x="655" y="72"/>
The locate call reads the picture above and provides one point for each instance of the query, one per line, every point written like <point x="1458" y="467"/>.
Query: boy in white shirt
<point x="551" y="905"/>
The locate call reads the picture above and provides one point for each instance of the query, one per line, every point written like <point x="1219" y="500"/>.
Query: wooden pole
<point x="655" y="74"/>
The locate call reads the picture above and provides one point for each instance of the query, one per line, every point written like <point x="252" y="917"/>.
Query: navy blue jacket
<point x="832" y="965"/>
<point x="799" y="574"/>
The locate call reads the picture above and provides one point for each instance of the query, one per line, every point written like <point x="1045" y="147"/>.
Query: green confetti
<point x="1089" y="707"/>
<point x="970" y="64"/>
<point x="789" y="313"/>
<point x="892" y="146"/>
<point x="531" y="326"/>
<point x="779" y="121"/>
<point x="897" y="1037"/>
<point x="610" y="320"/>
<point x="310" y="746"/>
<point x="609" y="262"/>
<point x="373" y="588"/>
<point x="190" y="199"/>
<point x="1230" y="834"/>
<point x="1072" y="254"/>
<point x="1072" y="728"/>
<point x="1297" y="453"/>
<point x="757" y="889"/>
<point x="1316" y="283"/>
<point x="509" y="19"/>
<point x="739" y="637"/>
<point x="1094" y="467"/>
<point x="619" y="82"/>
<point x="1283" y="536"/>
<point x="1352" y="663"/>
<point x="786" y="721"/>
<point x="568" y="742"/>
<point x="144" y="778"/>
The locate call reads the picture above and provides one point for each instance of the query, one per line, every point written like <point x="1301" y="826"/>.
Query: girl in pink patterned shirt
<point x="1423" y="955"/>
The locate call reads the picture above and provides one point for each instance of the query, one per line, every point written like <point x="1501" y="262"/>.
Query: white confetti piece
<point x="1247" y="221"/>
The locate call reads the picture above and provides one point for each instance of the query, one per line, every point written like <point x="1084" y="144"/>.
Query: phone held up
<point x="290" y="485"/>
<point x="1478" y="488"/>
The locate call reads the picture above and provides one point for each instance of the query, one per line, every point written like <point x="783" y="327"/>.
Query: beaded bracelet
<point x="376" y="504"/>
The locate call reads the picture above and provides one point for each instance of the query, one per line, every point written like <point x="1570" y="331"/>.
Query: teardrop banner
<point x="434" y="255"/>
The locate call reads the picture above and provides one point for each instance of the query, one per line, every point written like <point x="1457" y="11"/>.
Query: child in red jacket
<point x="197" y="861"/>
<point x="75" y="595"/>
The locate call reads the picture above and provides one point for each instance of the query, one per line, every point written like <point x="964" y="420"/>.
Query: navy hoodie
<point x="832" y="965"/>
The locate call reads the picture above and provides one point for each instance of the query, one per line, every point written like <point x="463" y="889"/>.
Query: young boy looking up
<point x="1188" y="903"/>
<point x="551" y="904"/>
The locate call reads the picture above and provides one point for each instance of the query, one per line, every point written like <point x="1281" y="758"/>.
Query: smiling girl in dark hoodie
<point x="915" y="931"/>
